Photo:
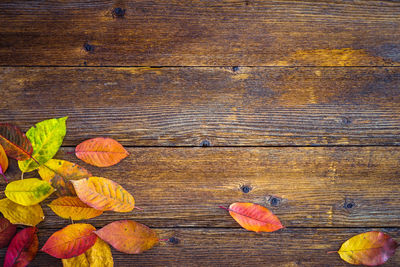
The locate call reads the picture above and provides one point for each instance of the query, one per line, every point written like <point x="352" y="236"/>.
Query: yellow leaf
<point x="97" y="256"/>
<point x="104" y="194"/>
<point x="29" y="191"/>
<point x="18" y="214"/>
<point x="73" y="208"/>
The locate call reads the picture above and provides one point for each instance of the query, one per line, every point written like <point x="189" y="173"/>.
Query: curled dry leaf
<point x="60" y="172"/>
<point x="19" y="214"/>
<point x="23" y="248"/>
<point x="128" y="236"/>
<point x="254" y="217"/>
<point x="73" y="208"/>
<point x="370" y="248"/>
<point x="101" y="152"/>
<point x="46" y="138"/>
<point x="28" y="192"/>
<point x="3" y="162"/>
<point x="7" y="231"/>
<point x="15" y="142"/>
<point x="71" y="241"/>
<point x="97" y="256"/>
<point x="104" y="194"/>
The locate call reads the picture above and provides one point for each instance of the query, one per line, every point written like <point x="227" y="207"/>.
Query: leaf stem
<point x="163" y="240"/>
<point x="330" y="252"/>
<point x="22" y="175"/>
<point x="138" y="208"/>
<point x="222" y="207"/>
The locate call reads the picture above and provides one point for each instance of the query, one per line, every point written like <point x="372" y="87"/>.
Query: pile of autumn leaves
<point x="80" y="196"/>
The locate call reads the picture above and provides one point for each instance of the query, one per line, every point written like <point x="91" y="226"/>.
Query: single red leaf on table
<point x="23" y="248"/>
<point x="7" y="232"/>
<point x="254" y="217"/>
<point x="371" y="248"/>
<point x="101" y="152"/>
<point x="71" y="241"/>
<point x="3" y="162"/>
<point x="15" y="142"/>
<point x="128" y="236"/>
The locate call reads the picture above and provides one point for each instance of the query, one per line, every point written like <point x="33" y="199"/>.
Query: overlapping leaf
<point x="60" y="172"/>
<point x="46" y="139"/>
<point x="71" y="241"/>
<point x="14" y="142"/>
<point x="3" y="162"/>
<point x="370" y="248"/>
<point x="7" y="232"/>
<point x="101" y="152"/>
<point x="254" y="217"/>
<point x="97" y="256"/>
<point x="73" y="208"/>
<point x="128" y="236"/>
<point x="104" y="194"/>
<point x="19" y="214"/>
<point x="28" y="192"/>
<point x="22" y="249"/>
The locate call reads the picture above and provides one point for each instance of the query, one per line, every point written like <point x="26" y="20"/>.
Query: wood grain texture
<point x="200" y="33"/>
<point x="251" y="106"/>
<point x="228" y="247"/>
<point x="304" y="187"/>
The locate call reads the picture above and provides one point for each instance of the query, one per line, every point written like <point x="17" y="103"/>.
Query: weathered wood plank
<point x="305" y="187"/>
<point x="185" y="106"/>
<point x="206" y="33"/>
<point x="226" y="247"/>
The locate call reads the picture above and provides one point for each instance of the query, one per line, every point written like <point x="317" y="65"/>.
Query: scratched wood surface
<point x="296" y="102"/>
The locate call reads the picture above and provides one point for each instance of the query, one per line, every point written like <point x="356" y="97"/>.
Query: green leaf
<point x="46" y="138"/>
<point x="28" y="192"/>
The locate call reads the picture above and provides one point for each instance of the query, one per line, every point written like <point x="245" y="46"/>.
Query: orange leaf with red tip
<point x="254" y="217"/>
<point x="370" y="248"/>
<point x="15" y="142"/>
<point x="22" y="249"/>
<point x="3" y="162"/>
<point x="128" y="236"/>
<point x="70" y="241"/>
<point x="101" y="152"/>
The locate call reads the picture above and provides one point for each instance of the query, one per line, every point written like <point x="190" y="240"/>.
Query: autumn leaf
<point x="254" y="217"/>
<point x="15" y="142"/>
<point x="101" y="152"/>
<point x="73" y="208"/>
<point x="7" y="232"/>
<point x="19" y="214"/>
<point x="28" y="192"/>
<point x="104" y="194"/>
<point x="370" y="248"/>
<point x="97" y="256"/>
<point x="71" y="241"/>
<point x="3" y="162"/>
<point x="128" y="236"/>
<point x="22" y="249"/>
<point x="60" y="172"/>
<point x="46" y="139"/>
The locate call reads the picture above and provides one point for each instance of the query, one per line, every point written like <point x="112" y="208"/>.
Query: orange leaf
<point x="128" y="236"/>
<point x="101" y="152"/>
<point x="70" y="241"/>
<point x="73" y="208"/>
<point x="104" y="194"/>
<point x="3" y="162"/>
<point x="14" y="142"/>
<point x="370" y="248"/>
<point x="254" y="217"/>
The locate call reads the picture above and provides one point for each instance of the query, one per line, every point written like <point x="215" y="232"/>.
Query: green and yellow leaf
<point x="28" y="192"/>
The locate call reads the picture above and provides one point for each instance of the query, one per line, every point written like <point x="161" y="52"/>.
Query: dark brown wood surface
<point x="194" y="33"/>
<point x="186" y="106"/>
<point x="299" y="101"/>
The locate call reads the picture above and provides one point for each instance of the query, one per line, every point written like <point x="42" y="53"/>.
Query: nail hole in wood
<point x="88" y="47"/>
<point x="245" y="188"/>
<point x="234" y="69"/>
<point x="349" y="205"/>
<point x="205" y="143"/>
<point x="118" y="12"/>
<point x="173" y="240"/>
<point x="274" y="201"/>
<point x="346" y="121"/>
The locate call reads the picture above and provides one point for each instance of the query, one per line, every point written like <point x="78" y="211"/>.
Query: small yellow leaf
<point x="28" y="192"/>
<point x="18" y="214"/>
<point x="97" y="256"/>
<point x="73" y="208"/>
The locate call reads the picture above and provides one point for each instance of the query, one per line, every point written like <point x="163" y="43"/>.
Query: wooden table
<point x="294" y="105"/>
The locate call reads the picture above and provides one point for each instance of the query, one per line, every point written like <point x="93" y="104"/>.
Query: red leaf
<point x="15" y="142"/>
<point x="254" y="217"/>
<point x="22" y="249"/>
<point x="7" y="232"/>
